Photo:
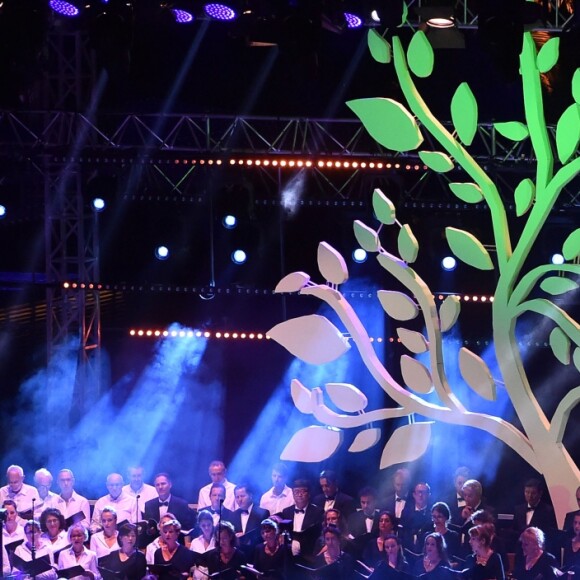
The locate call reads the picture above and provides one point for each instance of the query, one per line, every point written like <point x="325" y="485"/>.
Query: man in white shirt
<point x="217" y="473"/>
<point x="124" y="504"/>
<point x="43" y="482"/>
<point x="25" y="496"/>
<point x="74" y="507"/>
<point x="137" y="487"/>
<point x="279" y="496"/>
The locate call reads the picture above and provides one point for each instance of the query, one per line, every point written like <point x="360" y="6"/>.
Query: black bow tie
<point x="530" y="509"/>
<point x="245" y="512"/>
<point x="330" y="498"/>
<point x="369" y="518"/>
<point x="400" y="499"/>
<point x="297" y="511"/>
<point x="165" y="503"/>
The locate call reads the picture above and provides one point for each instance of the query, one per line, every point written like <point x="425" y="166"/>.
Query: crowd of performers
<point x="140" y="531"/>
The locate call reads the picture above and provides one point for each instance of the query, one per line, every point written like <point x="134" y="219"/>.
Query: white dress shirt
<point x="276" y="503"/>
<point x="124" y="505"/>
<point x="22" y="498"/>
<point x="230" y="501"/>
<point x="42" y="504"/>
<point x="87" y="559"/>
<point x="23" y="552"/>
<point x="77" y="503"/>
<point x="146" y="493"/>
<point x="60" y="542"/>
<point x="99" y="545"/>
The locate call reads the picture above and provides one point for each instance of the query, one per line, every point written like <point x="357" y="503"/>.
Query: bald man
<point x="124" y="504"/>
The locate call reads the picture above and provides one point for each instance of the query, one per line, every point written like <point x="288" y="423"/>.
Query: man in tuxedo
<point x="416" y="516"/>
<point x="167" y="502"/>
<point x="396" y="501"/>
<point x="534" y="512"/>
<point x="305" y="520"/>
<point x="217" y="495"/>
<point x="247" y="518"/>
<point x="331" y="497"/>
<point x="456" y="501"/>
<point x="365" y="520"/>
<point x="569" y="520"/>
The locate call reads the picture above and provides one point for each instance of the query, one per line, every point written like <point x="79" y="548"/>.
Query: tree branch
<point x="562" y="414"/>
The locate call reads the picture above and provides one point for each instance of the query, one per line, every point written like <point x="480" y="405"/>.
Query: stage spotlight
<point x="557" y="259"/>
<point x="162" y="252"/>
<point x="359" y="256"/>
<point x="239" y="256"/>
<point x="63" y="8"/>
<point x="449" y="263"/>
<point x="230" y="222"/>
<point x="2" y="211"/>
<point x="182" y="16"/>
<point x="218" y="11"/>
<point x="352" y="20"/>
<point x="99" y="204"/>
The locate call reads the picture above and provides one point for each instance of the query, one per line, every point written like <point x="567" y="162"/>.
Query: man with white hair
<point x="43" y="482"/>
<point x="24" y="496"/>
<point x="73" y="506"/>
<point x="124" y="504"/>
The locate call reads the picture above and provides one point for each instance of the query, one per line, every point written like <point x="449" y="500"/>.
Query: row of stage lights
<point x="183" y="12"/>
<point x="483" y="298"/>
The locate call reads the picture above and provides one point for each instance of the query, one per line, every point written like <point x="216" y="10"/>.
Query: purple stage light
<point x="64" y="8"/>
<point x="182" y="16"/>
<point x="219" y="11"/>
<point x="352" y="20"/>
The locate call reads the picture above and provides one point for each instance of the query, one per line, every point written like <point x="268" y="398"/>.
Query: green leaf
<point x="365" y="440"/>
<point x="513" y="130"/>
<point x="406" y="444"/>
<point x="560" y="345"/>
<point x="384" y="208"/>
<point x="468" y="249"/>
<point x="436" y="161"/>
<point x="312" y="444"/>
<point x="331" y="264"/>
<point x="407" y="244"/>
<point x="477" y="374"/>
<point x="311" y="338"/>
<point x="388" y="122"/>
<point x="379" y="47"/>
<point x="416" y="375"/>
<point x="397" y="305"/>
<point x="449" y="312"/>
<point x="548" y="55"/>
<point x="524" y="196"/>
<point x="568" y="132"/>
<point x="420" y="55"/>
<point x="467" y="192"/>
<point x="576" y="86"/>
<point x="412" y="340"/>
<point x="571" y="247"/>
<point x="404" y="15"/>
<point x="576" y="358"/>
<point x="556" y="285"/>
<point x="464" y="113"/>
<point x="367" y="238"/>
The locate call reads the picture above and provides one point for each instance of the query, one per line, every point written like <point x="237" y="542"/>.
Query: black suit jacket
<point x="569" y="520"/>
<point x="254" y="520"/>
<point x="311" y="527"/>
<point x="342" y="502"/>
<point x="177" y="506"/>
<point x="357" y="523"/>
<point x="543" y="518"/>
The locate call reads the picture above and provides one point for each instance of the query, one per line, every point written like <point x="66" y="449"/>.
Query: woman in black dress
<point x="177" y="558"/>
<point x="226" y="558"/>
<point x="375" y="550"/>
<point x="440" y="516"/>
<point x="572" y="548"/>
<point x="333" y="563"/>
<point x="127" y="563"/>
<point x="434" y="563"/>
<point x="484" y="563"/>
<point x="272" y="558"/>
<point x="536" y="563"/>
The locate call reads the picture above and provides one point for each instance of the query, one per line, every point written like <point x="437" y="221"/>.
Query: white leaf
<point x="365" y="440"/>
<point x="331" y="264"/>
<point x="476" y="374"/>
<point x="302" y="397"/>
<point x="312" y="338"/>
<point x="412" y="340"/>
<point x="292" y="282"/>
<point x="398" y="305"/>
<point x="449" y="312"/>
<point x="416" y="375"/>
<point x="406" y="444"/>
<point x="347" y="397"/>
<point x="312" y="444"/>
